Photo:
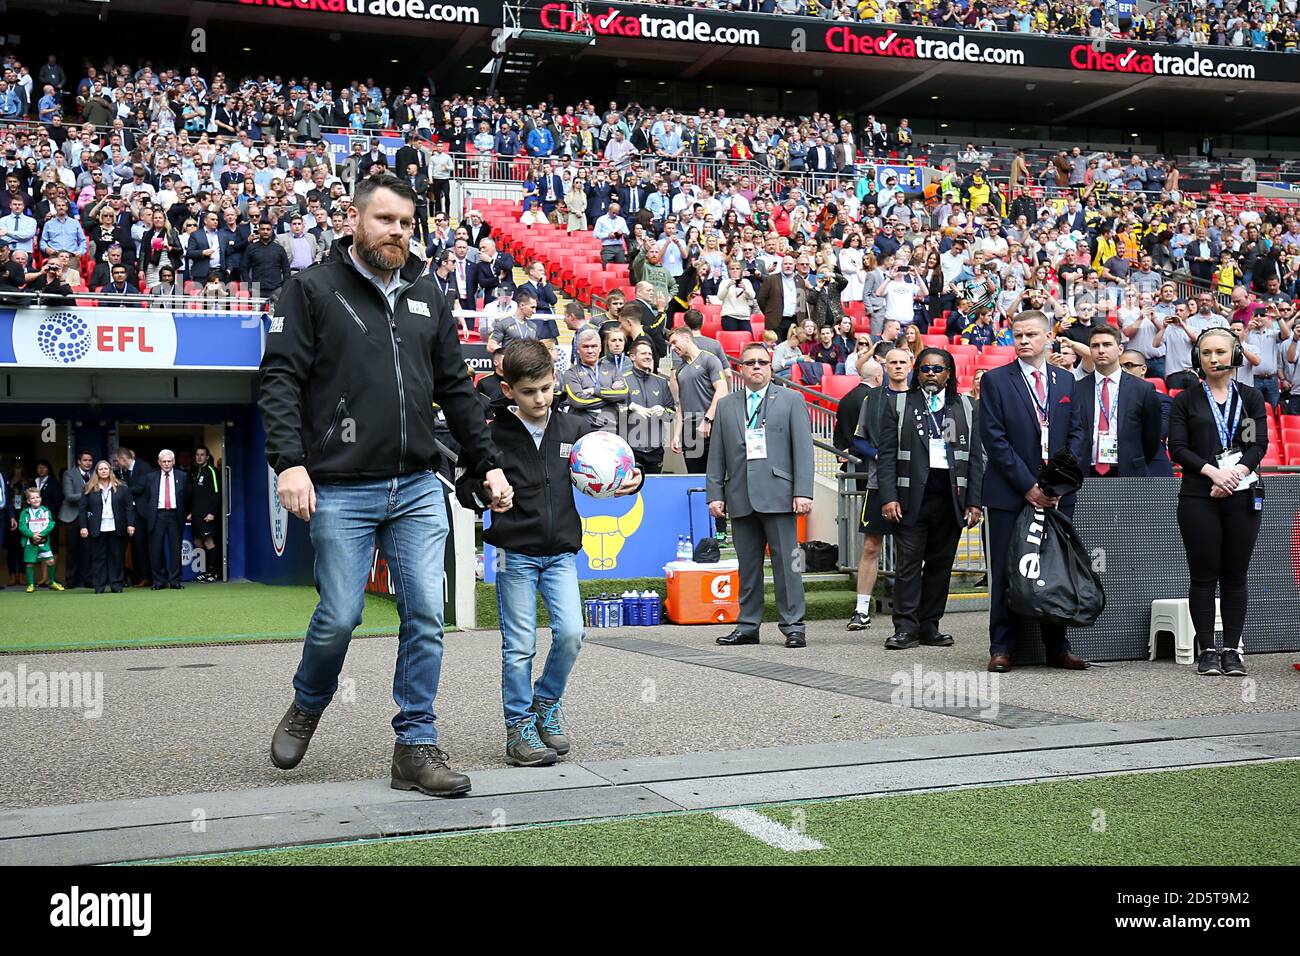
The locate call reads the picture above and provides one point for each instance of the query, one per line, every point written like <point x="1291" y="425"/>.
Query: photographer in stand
<point x="1218" y="433"/>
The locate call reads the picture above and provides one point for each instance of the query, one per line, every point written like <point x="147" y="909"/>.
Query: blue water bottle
<point x="603" y="610"/>
<point x="631" y="613"/>
<point x="616" y="611"/>
<point x="589" y="612"/>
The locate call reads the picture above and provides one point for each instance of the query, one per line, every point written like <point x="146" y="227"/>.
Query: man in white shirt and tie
<point x="165" y="505"/>
<point x="1117" y="417"/>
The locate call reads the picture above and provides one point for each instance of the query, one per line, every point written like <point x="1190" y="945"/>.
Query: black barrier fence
<point x="1130" y="527"/>
<point x="812" y="35"/>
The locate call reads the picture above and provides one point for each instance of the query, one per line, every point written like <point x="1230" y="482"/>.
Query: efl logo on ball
<point x="599" y="463"/>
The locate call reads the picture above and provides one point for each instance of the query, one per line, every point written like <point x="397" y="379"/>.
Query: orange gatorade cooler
<point x="703" y="593"/>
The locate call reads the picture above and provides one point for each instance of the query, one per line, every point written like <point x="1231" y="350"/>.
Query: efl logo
<point x="100" y="338"/>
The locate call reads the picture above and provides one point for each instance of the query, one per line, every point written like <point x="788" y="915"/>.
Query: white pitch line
<point x="768" y="831"/>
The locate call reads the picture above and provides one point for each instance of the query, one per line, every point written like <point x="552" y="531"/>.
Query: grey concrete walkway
<point x="186" y="721"/>
<point x="311" y="813"/>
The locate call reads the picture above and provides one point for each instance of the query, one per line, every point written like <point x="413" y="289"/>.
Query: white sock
<point x="864" y="604"/>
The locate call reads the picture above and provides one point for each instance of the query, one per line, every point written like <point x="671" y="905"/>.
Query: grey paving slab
<point x="903" y="776"/>
<point x="181" y="839"/>
<point x="155" y="811"/>
<point x="399" y="819"/>
<point x="1270" y="745"/>
<point x="1257" y="722"/>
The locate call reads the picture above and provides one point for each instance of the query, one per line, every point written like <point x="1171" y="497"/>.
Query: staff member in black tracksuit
<point x="650" y="406"/>
<point x="359" y="350"/>
<point x="1218" y="432"/>
<point x="207" y="511"/>
<point x="930" y="468"/>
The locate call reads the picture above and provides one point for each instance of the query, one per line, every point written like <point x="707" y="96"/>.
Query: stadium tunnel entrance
<point x="54" y="414"/>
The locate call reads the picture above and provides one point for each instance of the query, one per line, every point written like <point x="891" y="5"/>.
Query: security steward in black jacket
<point x="360" y="347"/>
<point x="931" y="468"/>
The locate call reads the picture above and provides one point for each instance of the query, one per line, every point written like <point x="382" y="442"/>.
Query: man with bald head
<point x="164" y="507"/>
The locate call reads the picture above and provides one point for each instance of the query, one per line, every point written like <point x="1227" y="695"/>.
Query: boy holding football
<point x="537" y="542"/>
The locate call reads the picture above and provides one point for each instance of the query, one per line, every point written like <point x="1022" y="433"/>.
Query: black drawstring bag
<point x="820" y="556"/>
<point x="707" y="551"/>
<point x="1061" y="476"/>
<point x="1049" y="574"/>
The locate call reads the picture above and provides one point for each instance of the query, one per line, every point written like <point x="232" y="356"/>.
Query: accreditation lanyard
<point x="1107" y="416"/>
<point x="1041" y="407"/>
<point x="584" y="370"/>
<point x="938" y="448"/>
<point x="618" y="362"/>
<point x="1227" y="430"/>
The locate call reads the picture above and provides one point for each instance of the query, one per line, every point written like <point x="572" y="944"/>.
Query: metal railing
<point x="180" y="302"/>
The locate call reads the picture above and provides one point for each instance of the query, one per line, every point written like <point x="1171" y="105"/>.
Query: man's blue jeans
<point x="410" y="518"/>
<point x="519" y="579"/>
<point x="1270" y="390"/>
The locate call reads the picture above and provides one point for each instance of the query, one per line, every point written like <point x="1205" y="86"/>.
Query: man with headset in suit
<point x="1024" y="420"/>
<point x="1115" y="417"/>
<point x="760" y="474"/>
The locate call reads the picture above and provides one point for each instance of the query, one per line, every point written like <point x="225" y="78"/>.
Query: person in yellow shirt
<point x="977" y="193"/>
<point x="868" y="10"/>
<point x="890" y="14"/>
<point x="1226" y="276"/>
<point x="1106" y="248"/>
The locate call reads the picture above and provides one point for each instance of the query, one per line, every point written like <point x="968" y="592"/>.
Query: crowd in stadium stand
<point x="1258" y="24"/>
<point x="163" y="181"/>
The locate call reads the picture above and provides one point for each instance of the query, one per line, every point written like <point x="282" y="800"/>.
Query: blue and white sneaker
<point x="549" y="726"/>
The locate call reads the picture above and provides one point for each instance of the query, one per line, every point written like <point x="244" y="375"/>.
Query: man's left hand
<point x="803" y="506"/>
<point x="631" y="484"/>
<point x="502" y="495"/>
<point x="973" y="516"/>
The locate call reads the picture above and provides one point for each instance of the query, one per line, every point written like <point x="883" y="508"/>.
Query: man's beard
<point x="378" y="254"/>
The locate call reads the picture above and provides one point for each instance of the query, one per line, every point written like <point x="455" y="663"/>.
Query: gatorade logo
<point x="720" y="587"/>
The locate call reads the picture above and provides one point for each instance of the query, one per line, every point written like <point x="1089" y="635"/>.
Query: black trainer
<point x="859" y="622"/>
<point x="1233" y="666"/>
<point x="1208" y="664"/>
<point x="292" y="736"/>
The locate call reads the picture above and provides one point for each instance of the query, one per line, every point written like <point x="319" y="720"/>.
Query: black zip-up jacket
<point x="543" y="519"/>
<point x="347" y="388"/>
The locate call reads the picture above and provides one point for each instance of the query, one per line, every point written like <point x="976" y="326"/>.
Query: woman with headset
<point x="1218" y="433"/>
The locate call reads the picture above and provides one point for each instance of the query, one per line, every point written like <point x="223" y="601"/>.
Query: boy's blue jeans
<point x="410" y="518"/>
<point x="519" y="579"/>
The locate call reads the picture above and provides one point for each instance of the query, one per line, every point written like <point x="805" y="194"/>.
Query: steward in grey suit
<point x="931" y="471"/>
<point x="760" y="473"/>
<point x="76" y="568"/>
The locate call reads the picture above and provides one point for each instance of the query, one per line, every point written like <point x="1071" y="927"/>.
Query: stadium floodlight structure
<point x="516" y="43"/>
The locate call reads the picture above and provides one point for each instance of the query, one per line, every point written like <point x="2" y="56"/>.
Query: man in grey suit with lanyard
<point x="760" y="474"/>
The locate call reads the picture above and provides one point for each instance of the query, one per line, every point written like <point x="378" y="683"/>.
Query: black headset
<point x="1238" y="356"/>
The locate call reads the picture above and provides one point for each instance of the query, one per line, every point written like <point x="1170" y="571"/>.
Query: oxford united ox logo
<point x="64" y="337"/>
<point x="603" y="536"/>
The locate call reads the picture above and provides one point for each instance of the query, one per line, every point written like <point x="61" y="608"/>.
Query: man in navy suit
<point x="205" y="249"/>
<point x="1116" y="427"/>
<point x="1024" y="420"/>
<point x="547" y="301"/>
<point x="599" y="195"/>
<point x="495" y="268"/>
<point x="164" y="507"/>
<point x="632" y="197"/>
<point x="550" y="190"/>
<point x="1134" y="363"/>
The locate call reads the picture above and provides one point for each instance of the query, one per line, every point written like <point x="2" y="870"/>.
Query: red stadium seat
<point x="733" y="342"/>
<point x="837" y="386"/>
<point x="939" y="341"/>
<point x="1159" y="384"/>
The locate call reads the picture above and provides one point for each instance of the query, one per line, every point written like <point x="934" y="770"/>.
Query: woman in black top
<point x="1218" y="433"/>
